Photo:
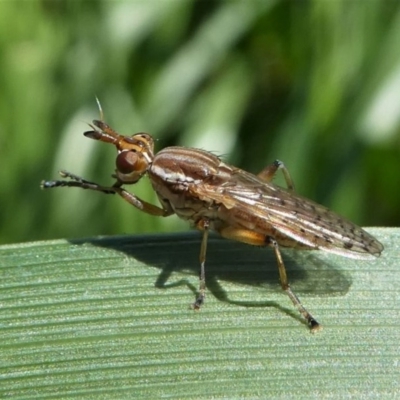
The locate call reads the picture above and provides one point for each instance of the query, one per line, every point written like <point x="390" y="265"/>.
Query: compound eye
<point x="126" y="161"/>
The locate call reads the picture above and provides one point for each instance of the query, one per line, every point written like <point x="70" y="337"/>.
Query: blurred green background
<point x="313" y="83"/>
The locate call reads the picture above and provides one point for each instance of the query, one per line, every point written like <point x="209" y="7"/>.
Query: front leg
<point x="76" y="181"/>
<point x="144" y="205"/>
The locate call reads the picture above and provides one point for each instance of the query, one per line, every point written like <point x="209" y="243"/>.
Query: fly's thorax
<point x="177" y="175"/>
<point x="182" y="166"/>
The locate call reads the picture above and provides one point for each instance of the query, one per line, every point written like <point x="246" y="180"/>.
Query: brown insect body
<point x="198" y="187"/>
<point x="197" y="184"/>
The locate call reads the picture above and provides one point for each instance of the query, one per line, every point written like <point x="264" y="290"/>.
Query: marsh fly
<point x="198" y="187"/>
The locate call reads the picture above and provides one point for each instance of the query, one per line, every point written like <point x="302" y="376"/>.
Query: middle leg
<point x="204" y="226"/>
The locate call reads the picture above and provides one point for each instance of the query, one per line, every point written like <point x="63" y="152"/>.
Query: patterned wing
<point x="264" y="204"/>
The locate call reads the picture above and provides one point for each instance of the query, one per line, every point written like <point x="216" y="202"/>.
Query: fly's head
<point x="135" y="153"/>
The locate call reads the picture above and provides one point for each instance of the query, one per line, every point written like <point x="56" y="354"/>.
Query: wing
<point x="257" y="205"/>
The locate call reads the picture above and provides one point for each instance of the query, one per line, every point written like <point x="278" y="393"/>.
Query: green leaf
<point x="110" y="318"/>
